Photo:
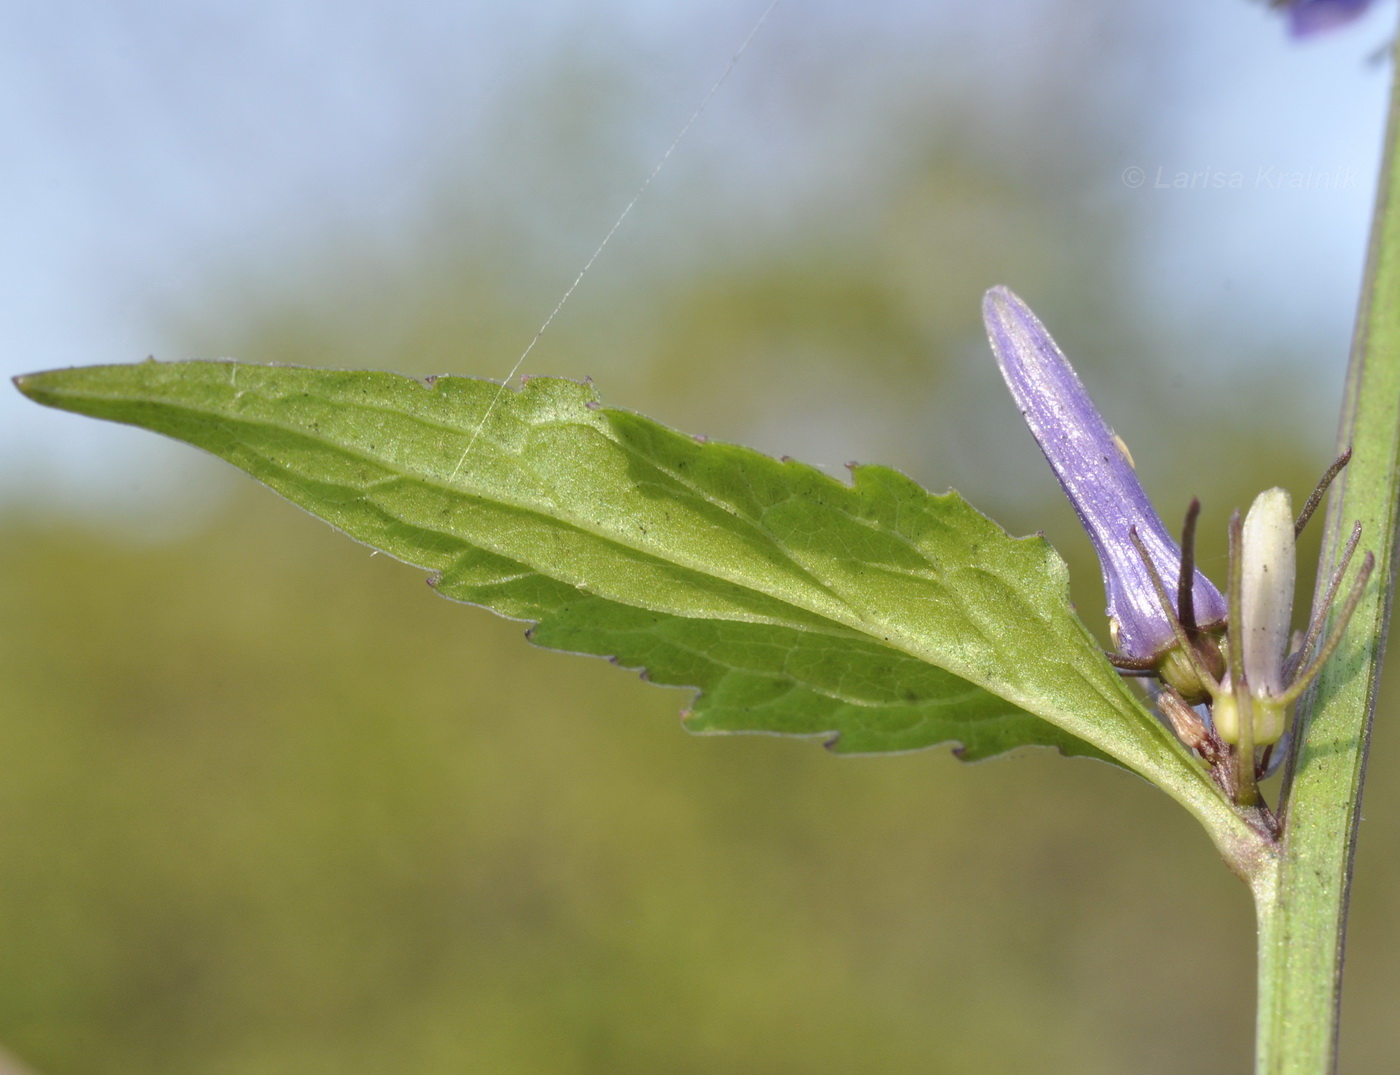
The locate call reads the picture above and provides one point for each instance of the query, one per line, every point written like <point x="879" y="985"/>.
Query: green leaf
<point x="874" y="614"/>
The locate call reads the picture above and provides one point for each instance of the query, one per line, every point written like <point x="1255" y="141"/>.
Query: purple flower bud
<point x="1309" y="17"/>
<point x="1096" y="474"/>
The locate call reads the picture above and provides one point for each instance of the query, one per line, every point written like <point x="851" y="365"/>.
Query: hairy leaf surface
<point x="873" y="614"/>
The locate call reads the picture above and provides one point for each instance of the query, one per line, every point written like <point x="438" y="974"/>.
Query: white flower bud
<point x="1268" y="563"/>
<point x="1269" y="559"/>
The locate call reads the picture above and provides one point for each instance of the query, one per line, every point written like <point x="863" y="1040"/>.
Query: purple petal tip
<point x="1308" y="18"/>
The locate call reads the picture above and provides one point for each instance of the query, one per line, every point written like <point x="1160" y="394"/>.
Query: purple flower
<point x="1098" y="477"/>
<point x="1309" y="17"/>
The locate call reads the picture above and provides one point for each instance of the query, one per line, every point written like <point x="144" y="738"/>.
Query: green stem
<point x="1302" y="901"/>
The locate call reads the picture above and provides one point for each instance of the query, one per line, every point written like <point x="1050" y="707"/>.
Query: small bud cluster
<point x="1227" y="668"/>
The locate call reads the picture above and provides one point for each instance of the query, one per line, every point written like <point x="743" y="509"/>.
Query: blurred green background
<point x="270" y="805"/>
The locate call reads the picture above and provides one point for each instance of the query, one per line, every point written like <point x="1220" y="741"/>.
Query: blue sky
<point x="157" y="149"/>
